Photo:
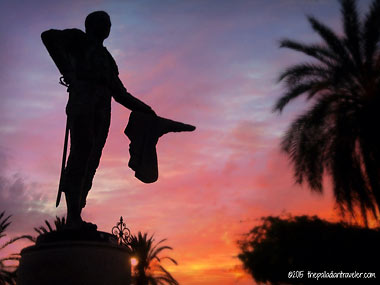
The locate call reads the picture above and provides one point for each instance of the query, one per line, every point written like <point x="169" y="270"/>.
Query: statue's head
<point x="98" y="25"/>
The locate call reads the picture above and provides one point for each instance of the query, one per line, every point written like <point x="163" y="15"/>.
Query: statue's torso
<point x="94" y="71"/>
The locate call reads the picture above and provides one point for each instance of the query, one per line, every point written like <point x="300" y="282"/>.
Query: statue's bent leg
<point x="101" y="128"/>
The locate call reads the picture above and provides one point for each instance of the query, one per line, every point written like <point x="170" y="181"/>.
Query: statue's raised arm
<point x="65" y="48"/>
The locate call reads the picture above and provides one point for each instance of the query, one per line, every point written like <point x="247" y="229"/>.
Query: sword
<point x="63" y="165"/>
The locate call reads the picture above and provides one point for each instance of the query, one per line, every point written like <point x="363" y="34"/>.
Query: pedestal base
<point x="74" y="263"/>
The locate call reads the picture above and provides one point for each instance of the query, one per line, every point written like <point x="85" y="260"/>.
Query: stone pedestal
<point x="74" y="263"/>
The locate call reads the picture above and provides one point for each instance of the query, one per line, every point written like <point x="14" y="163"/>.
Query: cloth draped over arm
<point x="143" y="131"/>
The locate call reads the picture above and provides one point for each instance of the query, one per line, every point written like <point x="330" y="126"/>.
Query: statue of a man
<point x="92" y="76"/>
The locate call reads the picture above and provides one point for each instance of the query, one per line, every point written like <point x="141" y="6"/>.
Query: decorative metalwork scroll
<point x="122" y="233"/>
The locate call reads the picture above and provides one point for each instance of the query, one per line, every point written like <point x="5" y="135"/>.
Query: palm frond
<point x="371" y="33"/>
<point x="41" y="230"/>
<point x="4" y="223"/>
<point x="317" y="51"/>
<point x="8" y="272"/>
<point x="370" y="172"/>
<point x="331" y="39"/>
<point x="167" y="274"/>
<point x="152" y="281"/>
<point x="154" y="254"/>
<point x="308" y="139"/>
<point x="311" y="87"/>
<point x="12" y="257"/>
<point x="352" y="29"/>
<point x="157" y="244"/>
<point x="297" y="73"/>
<point x="59" y="225"/>
<point x="48" y="225"/>
<point x="28" y="237"/>
<point x="166" y="280"/>
<point x="171" y="259"/>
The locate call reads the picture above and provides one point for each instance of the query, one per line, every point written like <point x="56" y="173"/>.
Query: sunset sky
<point x="209" y="63"/>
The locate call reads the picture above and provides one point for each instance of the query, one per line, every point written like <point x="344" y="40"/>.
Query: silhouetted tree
<point x="338" y="134"/>
<point x="59" y="225"/>
<point x="148" y="270"/>
<point x="8" y="273"/>
<point x="280" y="248"/>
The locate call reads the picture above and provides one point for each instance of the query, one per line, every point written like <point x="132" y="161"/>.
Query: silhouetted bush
<point x="282" y="245"/>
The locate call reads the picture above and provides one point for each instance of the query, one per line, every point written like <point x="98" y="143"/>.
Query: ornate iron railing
<point x="122" y="233"/>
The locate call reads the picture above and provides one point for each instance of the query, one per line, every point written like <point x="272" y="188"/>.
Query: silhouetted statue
<point x="91" y="75"/>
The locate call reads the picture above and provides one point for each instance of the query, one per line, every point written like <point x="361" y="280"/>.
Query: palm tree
<point x="148" y="270"/>
<point x="338" y="134"/>
<point x="59" y="226"/>
<point x="8" y="273"/>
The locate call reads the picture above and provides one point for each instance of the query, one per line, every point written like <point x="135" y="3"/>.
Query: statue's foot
<point x="73" y="224"/>
<point x="89" y="226"/>
<point x="167" y="126"/>
<point x="80" y="225"/>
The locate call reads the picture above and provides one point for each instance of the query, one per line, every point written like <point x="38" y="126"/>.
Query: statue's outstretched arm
<point x="123" y="97"/>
